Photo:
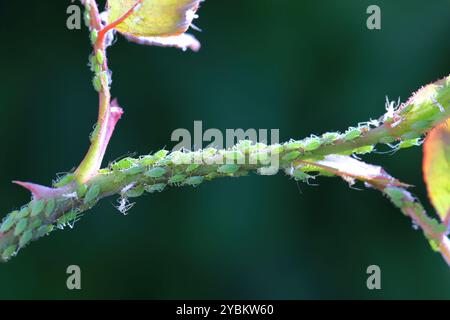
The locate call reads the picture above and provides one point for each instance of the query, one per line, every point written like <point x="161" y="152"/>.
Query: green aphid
<point x="7" y="224"/>
<point x="147" y="161"/>
<point x="97" y="83"/>
<point x="93" y="36"/>
<point x="293" y="145"/>
<point x="99" y="55"/>
<point x="92" y="194"/>
<point x="435" y="245"/>
<point x="364" y="150"/>
<point x="9" y="251"/>
<point x="124" y="164"/>
<point x="159" y="187"/>
<point x="299" y="175"/>
<point x="35" y="224"/>
<point x="352" y="134"/>
<point x="192" y="167"/>
<point x="291" y="156"/>
<point x="67" y="218"/>
<point x="396" y="195"/>
<point x="50" y="208"/>
<point x="228" y="168"/>
<point x="37" y="207"/>
<point x="409" y="143"/>
<point x="311" y="144"/>
<point x="20" y="226"/>
<point x="178" y="178"/>
<point x="156" y="172"/>
<point x="25" y="238"/>
<point x="160" y="154"/>
<point x="135" y="192"/>
<point x="64" y="181"/>
<point x="134" y="170"/>
<point x="87" y="18"/>
<point x="81" y="191"/>
<point x="211" y="176"/>
<point x="44" y="230"/>
<point x="23" y="213"/>
<point x="330" y="137"/>
<point x="194" y="181"/>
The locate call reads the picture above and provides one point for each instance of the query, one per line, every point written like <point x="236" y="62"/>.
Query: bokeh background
<point x="298" y="66"/>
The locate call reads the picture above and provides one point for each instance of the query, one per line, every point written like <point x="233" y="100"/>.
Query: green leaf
<point x="436" y="168"/>
<point x="153" y="18"/>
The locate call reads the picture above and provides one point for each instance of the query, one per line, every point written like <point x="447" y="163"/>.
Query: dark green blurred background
<point x="300" y="66"/>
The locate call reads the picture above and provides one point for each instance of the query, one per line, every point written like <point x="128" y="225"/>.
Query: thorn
<point x="39" y="191"/>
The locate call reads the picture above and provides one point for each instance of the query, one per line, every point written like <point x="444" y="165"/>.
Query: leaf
<point x="154" y="18"/>
<point x="436" y="168"/>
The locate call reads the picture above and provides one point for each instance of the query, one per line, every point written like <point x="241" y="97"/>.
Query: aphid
<point x="97" y="83"/>
<point x="23" y="213"/>
<point x="92" y="194"/>
<point x="192" y="167"/>
<point x="134" y="192"/>
<point x="67" y="219"/>
<point x="228" y="168"/>
<point x="156" y="172"/>
<point x="21" y="226"/>
<point x="81" y="191"/>
<point x="134" y="170"/>
<point x="7" y="224"/>
<point x="409" y="143"/>
<point x="64" y="181"/>
<point x="51" y="204"/>
<point x="311" y="144"/>
<point x="147" y="161"/>
<point x="352" y="134"/>
<point x="94" y="36"/>
<point x="159" y="187"/>
<point x="25" y="238"/>
<point x="125" y="163"/>
<point x="160" y="154"/>
<point x="100" y="56"/>
<point x="8" y="252"/>
<point x="194" y="181"/>
<point x="330" y="137"/>
<point x="291" y="156"/>
<point x="35" y="224"/>
<point x="178" y="178"/>
<point x="364" y="150"/>
<point x="44" y="230"/>
<point x="293" y="145"/>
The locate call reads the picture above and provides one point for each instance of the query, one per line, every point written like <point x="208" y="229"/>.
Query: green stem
<point x="152" y="173"/>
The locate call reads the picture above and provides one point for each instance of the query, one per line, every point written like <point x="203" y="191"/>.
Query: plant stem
<point x="152" y="173"/>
